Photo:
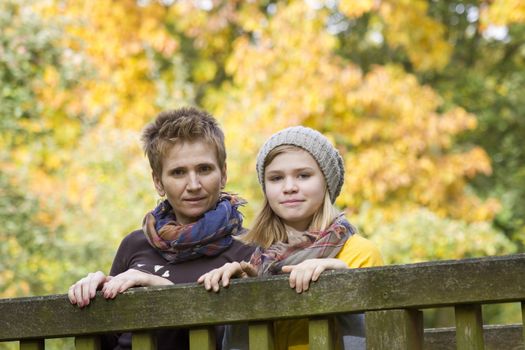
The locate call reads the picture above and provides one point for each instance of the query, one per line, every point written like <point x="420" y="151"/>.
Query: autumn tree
<point x="478" y="67"/>
<point x="394" y="84"/>
<point x="33" y="250"/>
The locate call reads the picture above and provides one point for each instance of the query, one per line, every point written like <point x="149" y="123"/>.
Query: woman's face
<point x="191" y="179"/>
<point x="295" y="187"/>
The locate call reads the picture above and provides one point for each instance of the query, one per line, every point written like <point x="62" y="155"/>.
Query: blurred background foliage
<point x="421" y="97"/>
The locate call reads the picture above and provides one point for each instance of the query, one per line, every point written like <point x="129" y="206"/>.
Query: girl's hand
<point x="131" y="278"/>
<point x="86" y="288"/>
<point x="212" y="279"/>
<point x="310" y="270"/>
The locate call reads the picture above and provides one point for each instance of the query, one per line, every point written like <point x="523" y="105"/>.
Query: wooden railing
<point x="393" y="298"/>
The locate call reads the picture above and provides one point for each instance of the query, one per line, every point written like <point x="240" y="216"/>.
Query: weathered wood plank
<point x="87" y="343"/>
<point x="202" y="339"/>
<point x="34" y="344"/>
<point x="394" y="330"/>
<point x="144" y="341"/>
<point x="496" y="337"/>
<point x="433" y="284"/>
<point x="469" y="327"/>
<point x="321" y="334"/>
<point x="261" y="336"/>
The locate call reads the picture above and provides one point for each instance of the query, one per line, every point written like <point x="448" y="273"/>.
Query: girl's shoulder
<point x="360" y="252"/>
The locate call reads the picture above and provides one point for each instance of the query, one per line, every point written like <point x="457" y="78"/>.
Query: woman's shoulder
<point x="134" y="238"/>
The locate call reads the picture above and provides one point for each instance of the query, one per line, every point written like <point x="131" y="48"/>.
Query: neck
<point x="293" y="230"/>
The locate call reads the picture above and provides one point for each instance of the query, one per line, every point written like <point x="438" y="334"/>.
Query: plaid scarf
<point x="208" y="236"/>
<point x="311" y="245"/>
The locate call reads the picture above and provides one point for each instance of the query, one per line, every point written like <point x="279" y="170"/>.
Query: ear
<point x="224" y="177"/>
<point x="158" y="185"/>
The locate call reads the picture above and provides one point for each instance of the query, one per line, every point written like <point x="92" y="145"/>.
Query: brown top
<point x="135" y="252"/>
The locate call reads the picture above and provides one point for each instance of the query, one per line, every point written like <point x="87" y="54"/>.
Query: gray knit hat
<point x="312" y="141"/>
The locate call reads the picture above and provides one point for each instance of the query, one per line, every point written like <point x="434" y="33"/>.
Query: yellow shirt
<point x="357" y="252"/>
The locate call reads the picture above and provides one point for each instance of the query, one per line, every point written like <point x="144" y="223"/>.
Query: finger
<point x="287" y="268"/>
<point x="112" y="290"/>
<point x="307" y="277"/>
<point x="317" y="272"/>
<point x="227" y="275"/>
<point x="108" y="289"/>
<point x="125" y="286"/>
<point x="207" y="281"/>
<point x="77" y="290"/>
<point x="93" y="286"/>
<point x="292" y="280"/>
<point x="83" y="292"/>
<point x="200" y="280"/>
<point x="214" y="280"/>
<point x="248" y="269"/>
<point x="298" y="281"/>
<point x="71" y="295"/>
<point x="78" y="296"/>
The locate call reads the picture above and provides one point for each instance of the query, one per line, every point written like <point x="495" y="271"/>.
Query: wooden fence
<point x="393" y="298"/>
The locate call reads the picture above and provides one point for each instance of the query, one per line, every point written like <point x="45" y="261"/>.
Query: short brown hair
<point x="183" y="124"/>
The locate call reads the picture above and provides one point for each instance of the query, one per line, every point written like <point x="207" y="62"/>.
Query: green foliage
<point x="29" y="251"/>
<point x="35" y="255"/>
<point x="421" y="235"/>
<point x="28" y="46"/>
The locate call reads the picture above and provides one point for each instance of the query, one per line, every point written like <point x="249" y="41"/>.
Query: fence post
<point x="36" y="344"/>
<point x="261" y="336"/>
<point x="469" y="327"/>
<point x="143" y="340"/>
<point x="87" y="343"/>
<point x="202" y="338"/>
<point x="523" y="321"/>
<point x="321" y="333"/>
<point x="394" y="329"/>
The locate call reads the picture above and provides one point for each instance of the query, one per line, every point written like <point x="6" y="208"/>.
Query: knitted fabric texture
<point x="312" y="141"/>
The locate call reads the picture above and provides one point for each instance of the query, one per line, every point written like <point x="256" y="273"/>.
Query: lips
<point x="291" y="202"/>
<point x="194" y="200"/>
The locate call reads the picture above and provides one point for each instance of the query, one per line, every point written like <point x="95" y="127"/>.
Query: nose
<point x="194" y="183"/>
<point x="289" y="185"/>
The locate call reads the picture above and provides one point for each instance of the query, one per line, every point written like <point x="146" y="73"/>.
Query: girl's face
<point x="295" y="187"/>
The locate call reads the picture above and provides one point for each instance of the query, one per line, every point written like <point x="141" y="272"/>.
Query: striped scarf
<point x="208" y="236"/>
<point x="311" y="245"/>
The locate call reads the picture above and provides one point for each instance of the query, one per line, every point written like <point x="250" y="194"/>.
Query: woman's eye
<point x="205" y="169"/>
<point x="304" y="176"/>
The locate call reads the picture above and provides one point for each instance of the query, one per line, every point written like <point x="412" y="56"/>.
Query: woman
<point x="188" y="233"/>
<point x="299" y="231"/>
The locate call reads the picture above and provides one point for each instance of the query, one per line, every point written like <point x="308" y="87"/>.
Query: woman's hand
<point x="224" y="273"/>
<point x="310" y="270"/>
<point x="131" y="278"/>
<point x="86" y="288"/>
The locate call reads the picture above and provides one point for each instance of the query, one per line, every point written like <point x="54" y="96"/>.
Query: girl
<point x="299" y="231"/>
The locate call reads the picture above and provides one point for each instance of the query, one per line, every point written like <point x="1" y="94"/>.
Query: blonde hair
<point x="268" y="228"/>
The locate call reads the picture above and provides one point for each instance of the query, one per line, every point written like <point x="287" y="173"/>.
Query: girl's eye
<point x="304" y="176"/>
<point x="274" y="178"/>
